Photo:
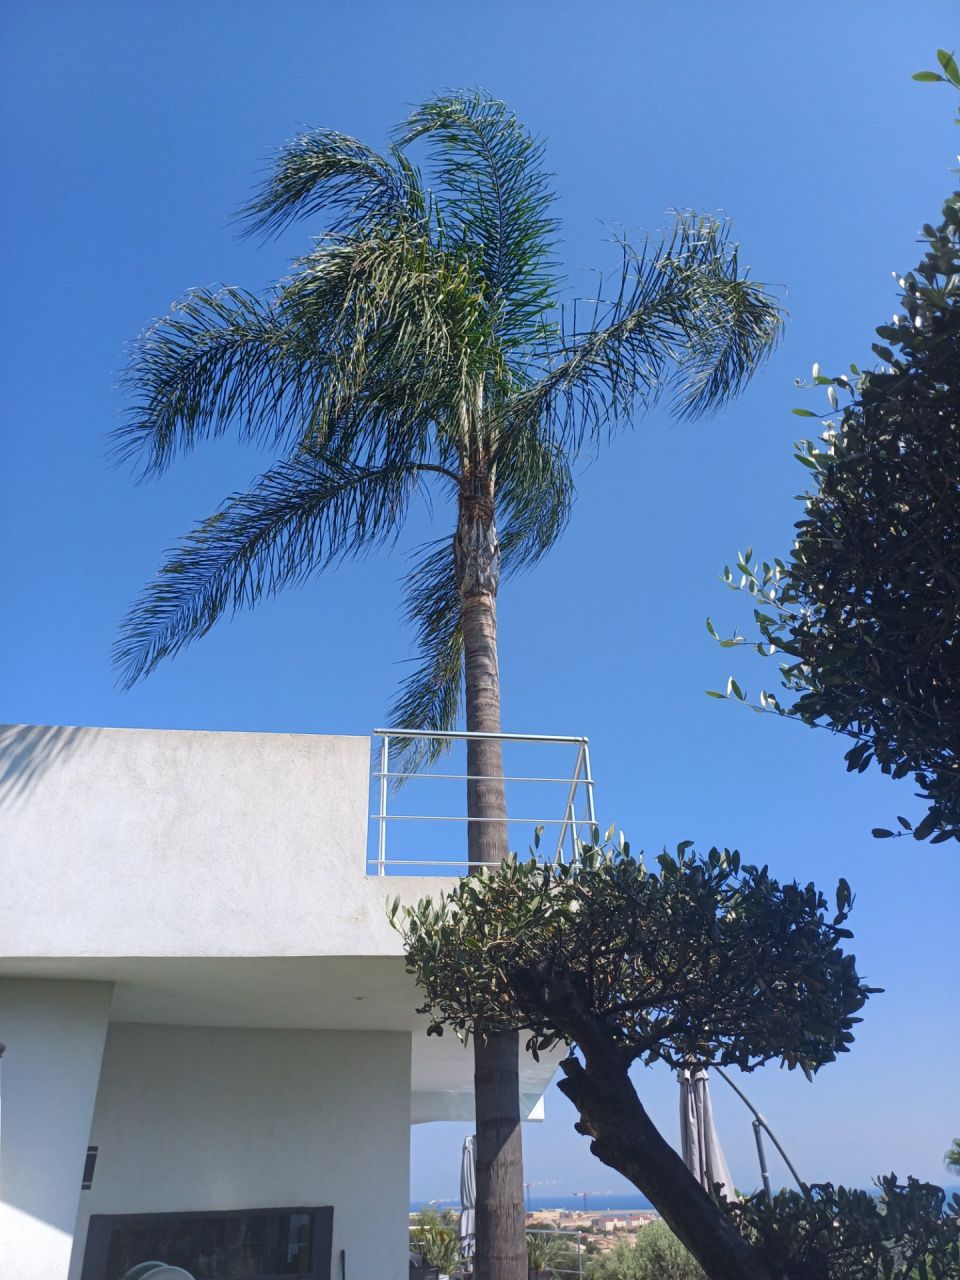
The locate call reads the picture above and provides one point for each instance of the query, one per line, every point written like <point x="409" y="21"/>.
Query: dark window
<point x="248" y="1244"/>
<point x="89" y="1165"/>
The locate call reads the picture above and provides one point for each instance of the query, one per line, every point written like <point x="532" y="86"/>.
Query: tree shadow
<point x="27" y="751"/>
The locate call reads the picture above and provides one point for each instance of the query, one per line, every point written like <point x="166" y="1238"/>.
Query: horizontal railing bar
<point x="501" y="737"/>
<point x="481" y="777"/>
<point x="442" y="817"/>
<point x="397" y="862"/>
<point x="379" y="862"/>
<point x="424" y="862"/>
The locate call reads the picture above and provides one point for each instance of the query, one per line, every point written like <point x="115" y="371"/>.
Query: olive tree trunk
<point x="626" y="1139"/>
<point x="501" y="1251"/>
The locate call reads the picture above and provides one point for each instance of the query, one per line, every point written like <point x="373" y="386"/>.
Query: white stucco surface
<point x="216" y="1118"/>
<point x="205" y="894"/>
<point x="54" y="1034"/>
<point x="144" y="842"/>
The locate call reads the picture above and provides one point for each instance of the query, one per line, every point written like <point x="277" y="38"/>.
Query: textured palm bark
<point x="501" y="1252"/>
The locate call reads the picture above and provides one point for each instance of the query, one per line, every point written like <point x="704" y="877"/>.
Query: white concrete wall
<point x="217" y="1118"/>
<point x="134" y="842"/>
<point x="54" y="1034"/>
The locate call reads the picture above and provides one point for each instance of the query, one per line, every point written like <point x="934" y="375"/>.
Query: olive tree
<point x="905" y="1232"/>
<point x="654" y="1253"/>
<point x="862" y="614"/>
<point x="701" y="961"/>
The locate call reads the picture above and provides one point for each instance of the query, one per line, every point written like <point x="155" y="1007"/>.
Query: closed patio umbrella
<point x="699" y="1144"/>
<point x="468" y="1197"/>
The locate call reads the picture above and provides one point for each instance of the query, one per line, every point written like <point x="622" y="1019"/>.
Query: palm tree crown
<point x="418" y="344"/>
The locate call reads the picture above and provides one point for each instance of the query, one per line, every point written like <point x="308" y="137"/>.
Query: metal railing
<point x="574" y="1262"/>
<point x="576" y="808"/>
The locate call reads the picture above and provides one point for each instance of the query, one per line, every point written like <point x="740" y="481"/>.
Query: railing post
<point x="570" y="809"/>
<point x="382" y="833"/>
<point x="588" y="782"/>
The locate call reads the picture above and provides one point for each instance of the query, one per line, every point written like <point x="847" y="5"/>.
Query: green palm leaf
<point x="351" y="352"/>
<point x="299" y="518"/>
<point x="321" y="171"/>
<point x="222" y="359"/>
<point x="496" y="200"/>
<point x="684" y="319"/>
<point x="431" y="697"/>
<point x="535" y="491"/>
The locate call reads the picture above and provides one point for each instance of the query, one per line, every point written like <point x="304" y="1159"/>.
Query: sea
<point x="597" y="1202"/>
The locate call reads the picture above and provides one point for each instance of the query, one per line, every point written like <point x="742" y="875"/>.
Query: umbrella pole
<point x="759" y="1120"/>
<point x="764" y="1172"/>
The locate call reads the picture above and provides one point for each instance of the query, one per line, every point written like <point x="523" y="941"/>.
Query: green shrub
<point x="655" y="1254"/>
<point x="436" y="1238"/>
<point x="550" y="1254"/>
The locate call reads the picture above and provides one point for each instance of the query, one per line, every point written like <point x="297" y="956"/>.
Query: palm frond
<point x="535" y="491"/>
<point x="300" y="517"/>
<point x="368" y="340"/>
<point x="733" y="324"/>
<point x="431" y="697"/>
<point x="357" y="368"/>
<point x="495" y="199"/>
<point x="388" y="300"/>
<point x="220" y="358"/>
<point x="685" y="319"/>
<point x="322" y="171"/>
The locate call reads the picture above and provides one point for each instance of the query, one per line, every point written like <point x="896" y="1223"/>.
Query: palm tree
<point x="418" y="351"/>
<point x="952" y="1157"/>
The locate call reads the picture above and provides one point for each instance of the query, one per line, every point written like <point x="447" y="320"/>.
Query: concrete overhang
<point x="358" y="993"/>
<point x="216" y="879"/>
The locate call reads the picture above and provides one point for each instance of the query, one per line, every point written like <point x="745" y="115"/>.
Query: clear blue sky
<point x="131" y="131"/>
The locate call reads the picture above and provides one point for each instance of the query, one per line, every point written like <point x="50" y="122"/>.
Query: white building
<point x="205" y="1010"/>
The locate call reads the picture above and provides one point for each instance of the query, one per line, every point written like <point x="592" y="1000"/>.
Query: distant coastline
<point x="595" y="1203"/>
<point x="537" y="1204"/>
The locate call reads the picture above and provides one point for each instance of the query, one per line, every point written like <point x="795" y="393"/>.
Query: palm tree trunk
<point x="501" y="1252"/>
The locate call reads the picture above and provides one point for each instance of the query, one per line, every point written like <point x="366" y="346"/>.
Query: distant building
<point x="622" y="1219"/>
